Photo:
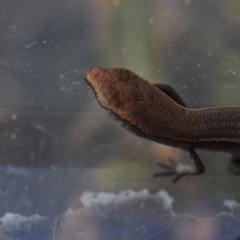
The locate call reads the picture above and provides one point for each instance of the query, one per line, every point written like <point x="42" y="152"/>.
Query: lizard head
<point x="120" y="91"/>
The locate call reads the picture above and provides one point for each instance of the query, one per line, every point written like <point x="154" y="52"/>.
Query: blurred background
<point x="67" y="170"/>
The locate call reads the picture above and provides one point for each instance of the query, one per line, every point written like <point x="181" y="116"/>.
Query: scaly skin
<point x="158" y="113"/>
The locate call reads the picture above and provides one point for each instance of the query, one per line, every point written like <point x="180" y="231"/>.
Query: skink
<point x="158" y="113"/>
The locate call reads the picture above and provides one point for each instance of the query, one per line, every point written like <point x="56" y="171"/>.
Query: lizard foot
<point x="180" y="169"/>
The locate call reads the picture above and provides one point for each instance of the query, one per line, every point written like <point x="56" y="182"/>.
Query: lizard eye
<point x="136" y="95"/>
<point x="112" y="95"/>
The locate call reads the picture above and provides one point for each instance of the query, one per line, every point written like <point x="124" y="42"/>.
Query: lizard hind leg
<point x="234" y="165"/>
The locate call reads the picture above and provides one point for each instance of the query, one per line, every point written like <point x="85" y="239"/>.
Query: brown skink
<point x="158" y="113"/>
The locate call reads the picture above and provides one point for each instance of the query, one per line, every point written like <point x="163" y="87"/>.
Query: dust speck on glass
<point x="67" y="170"/>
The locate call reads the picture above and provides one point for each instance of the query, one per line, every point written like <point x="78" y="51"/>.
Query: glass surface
<point x="68" y="171"/>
